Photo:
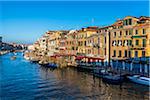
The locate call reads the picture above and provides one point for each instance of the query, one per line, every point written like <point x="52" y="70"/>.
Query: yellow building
<point x="141" y="38"/>
<point x="121" y="40"/>
<point x="92" y="47"/>
<point x="54" y="42"/>
<point x="82" y="35"/>
<point x="130" y="38"/>
<point x="71" y="43"/>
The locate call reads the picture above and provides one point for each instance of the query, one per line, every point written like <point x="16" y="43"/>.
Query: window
<point x="120" y="33"/>
<point x="144" y="43"/>
<point x="144" y="31"/>
<point x="79" y="43"/>
<point x="72" y="48"/>
<point x="119" y="42"/>
<point x="114" y="34"/>
<point x="129" y="53"/>
<point x="130" y="32"/>
<point x="136" y="31"/>
<point x="130" y="21"/>
<point x="143" y="53"/>
<point x="119" y="53"/>
<point x="125" y="22"/>
<point x="114" y="43"/>
<point x="98" y="40"/>
<point x="126" y="33"/>
<point x="125" y="53"/>
<point x="136" y="54"/>
<point x="85" y="43"/>
<point x="130" y="42"/>
<point x="137" y="42"/>
<point x="114" y="53"/>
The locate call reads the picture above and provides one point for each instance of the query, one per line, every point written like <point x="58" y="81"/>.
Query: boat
<point x="113" y="79"/>
<point x="15" y="53"/>
<point x="43" y="63"/>
<point x="52" y="65"/>
<point x="13" y="57"/>
<point x="34" y="60"/>
<point x="100" y="72"/>
<point x="139" y="80"/>
<point x="47" y="64"/>
<point x="27" y="57"/>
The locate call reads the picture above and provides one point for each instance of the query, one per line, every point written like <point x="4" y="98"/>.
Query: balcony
<point x="90" y="55"/>
<point x="137" y="47"/>
<point x="139" y="36"/>
<point x="89" y="44"/>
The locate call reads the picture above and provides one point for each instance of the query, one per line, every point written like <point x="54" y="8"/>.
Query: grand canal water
<point x="23" y="80"/>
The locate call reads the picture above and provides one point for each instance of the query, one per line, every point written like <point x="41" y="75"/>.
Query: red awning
<point x="80" y="57"/>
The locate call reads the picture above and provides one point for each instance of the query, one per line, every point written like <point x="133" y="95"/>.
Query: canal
<point x="23" y="80"/>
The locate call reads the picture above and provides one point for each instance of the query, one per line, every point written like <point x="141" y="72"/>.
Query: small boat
<point x="100" y="73"/>
<point x="26" y="57"/>
<point x="140" y="80"/>
<point x="34" y="60"/>
<point x="112" y="79"/>
<point x="15" y="53"/>
<point x="13" y="57"/>
<point x="52" y="65"/>
<point x="43" y="63"/>
<point x="46" y="64"/>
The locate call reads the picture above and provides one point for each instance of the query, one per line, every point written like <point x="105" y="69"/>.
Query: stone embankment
<point x="61" y="61"/>
<point x="3" y="52"/>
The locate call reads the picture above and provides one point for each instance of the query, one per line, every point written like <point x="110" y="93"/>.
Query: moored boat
<point x="100" y="72"/>
<point x="43" y="63"/>
<point x="140" y="80"/>
<point x="113" y="79"/>
<point x="47" y="64"/>
<point x="52" y="65"/>
<point x="27" y="57"/>
<point x="34" y="60"/>
<point x="13" y="57"/>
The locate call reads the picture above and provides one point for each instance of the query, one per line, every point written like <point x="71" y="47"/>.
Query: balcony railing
<point x="139" y="47"/>
<point x="139" y="36"/>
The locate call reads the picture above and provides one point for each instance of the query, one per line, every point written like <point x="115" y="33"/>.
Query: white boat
<point x="13" y="58"/>
<point x="140" y="80"/>
<point x="15" y="53"/>
<point x="27" y="58"/>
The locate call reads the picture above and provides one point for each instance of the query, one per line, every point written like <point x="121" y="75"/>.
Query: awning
<point x="80" y="57"/>
<point x="90" y="59"/>
<point x="62" y="48"/>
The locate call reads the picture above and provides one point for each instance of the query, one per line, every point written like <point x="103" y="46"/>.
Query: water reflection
<point x="84" y="85"/>
<point x="21" y="79"/>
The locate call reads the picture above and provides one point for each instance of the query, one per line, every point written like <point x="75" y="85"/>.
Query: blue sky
<point x="25" y="21"/>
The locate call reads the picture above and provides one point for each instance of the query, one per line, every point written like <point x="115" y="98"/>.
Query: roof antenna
<point x="92" y="21"/>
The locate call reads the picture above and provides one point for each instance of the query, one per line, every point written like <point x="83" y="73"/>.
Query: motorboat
<point x="34" y="60"/>
<point x="26" y="57"/>
<point x="140" y="80"/>
<point x="15" y="53"/>
<point x="100" y="72"/>
<point x="44" y="63"/>
<point x="113" y="79"/>
<point x="52" y="65"/>
<point x="47" y="64"/>
<point x="13" y="57"/>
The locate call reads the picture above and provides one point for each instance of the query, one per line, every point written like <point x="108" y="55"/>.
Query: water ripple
<point x="22" y="80"/>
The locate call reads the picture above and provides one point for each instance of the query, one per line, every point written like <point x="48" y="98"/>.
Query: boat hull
<point x="139" y="81"/>
<point x="112" y="80"/>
